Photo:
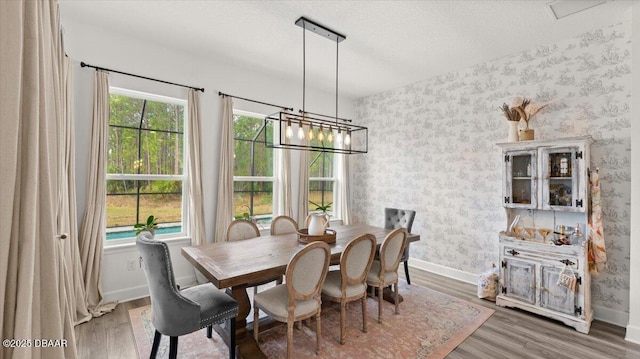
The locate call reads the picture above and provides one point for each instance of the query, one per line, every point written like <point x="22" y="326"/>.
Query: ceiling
<point x="389" y="43"/>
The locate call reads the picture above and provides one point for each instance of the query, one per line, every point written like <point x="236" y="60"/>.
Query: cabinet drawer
<point x="547" y="257"/>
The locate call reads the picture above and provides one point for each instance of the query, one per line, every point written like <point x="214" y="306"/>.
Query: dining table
<point x="234" y="265"/>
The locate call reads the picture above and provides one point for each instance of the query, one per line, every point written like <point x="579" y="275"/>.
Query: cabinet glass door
<point x="560" y="186"/>
<point x="520" y="186"/>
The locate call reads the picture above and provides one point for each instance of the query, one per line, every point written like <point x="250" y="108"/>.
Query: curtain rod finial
<point x="82" y="64"/>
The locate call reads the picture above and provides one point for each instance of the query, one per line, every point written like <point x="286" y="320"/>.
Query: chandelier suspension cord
<point x="304" y="66"/>
<point x="337" y="44"/>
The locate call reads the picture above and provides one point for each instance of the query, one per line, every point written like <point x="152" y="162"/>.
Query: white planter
<point x="513" y="131"/>
<point x="317" y="224"/>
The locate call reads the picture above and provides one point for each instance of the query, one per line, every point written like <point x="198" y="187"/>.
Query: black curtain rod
<point x="260" y="102"/>
<point x="82" y="64"/>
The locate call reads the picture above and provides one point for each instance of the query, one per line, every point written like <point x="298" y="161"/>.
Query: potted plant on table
<point x="151" y="225"/>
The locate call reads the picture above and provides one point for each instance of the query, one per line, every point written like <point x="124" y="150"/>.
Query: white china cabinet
<point x="546" y="199"/>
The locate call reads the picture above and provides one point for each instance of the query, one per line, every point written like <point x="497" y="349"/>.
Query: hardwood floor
<point x="509" y="333"/>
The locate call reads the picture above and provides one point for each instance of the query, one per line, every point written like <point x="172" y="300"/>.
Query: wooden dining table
<point x="234" y="265"/>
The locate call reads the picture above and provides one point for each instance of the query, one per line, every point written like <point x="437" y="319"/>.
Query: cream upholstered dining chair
<point x="400" y="218"/>
<point x="241" y="229"/>
<point x="299" y="297"/>
<point x="179" y="312"/>
<point x="348" y="283"/>
<point x="384" y="271"/>
<point x="283" y="225"/>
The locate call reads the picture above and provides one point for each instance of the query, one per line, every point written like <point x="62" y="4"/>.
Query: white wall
<point x="124" y="52"/>
<point x="633" y="328"/>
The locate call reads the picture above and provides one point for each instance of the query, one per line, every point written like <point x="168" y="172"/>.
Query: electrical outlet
<point x="132" y="264"/>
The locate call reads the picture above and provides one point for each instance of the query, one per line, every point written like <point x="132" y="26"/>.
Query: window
<point x="253" y="170"/>
<point x="145" y="162"/>
<point x="321" y="180"/>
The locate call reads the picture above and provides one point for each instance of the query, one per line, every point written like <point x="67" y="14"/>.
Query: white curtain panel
<point x="343" y="197"/>
<point x="303" y="187"/>
<point x="93" y="228"/>
<point x="33" y="290"/>
<point x="67" y="212"/>
<point x="287" y="200"/>
<point x="224" y="212"/>
<point x="194" y="168"/>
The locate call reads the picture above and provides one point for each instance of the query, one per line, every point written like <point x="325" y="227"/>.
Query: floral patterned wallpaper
<point x="432" y="148"/>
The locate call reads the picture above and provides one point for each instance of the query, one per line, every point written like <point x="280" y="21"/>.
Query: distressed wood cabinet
<point x="546" y="183"/>
<point x="529" y="280"/>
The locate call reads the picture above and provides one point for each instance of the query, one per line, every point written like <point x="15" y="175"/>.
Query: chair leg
<point x="380" y="290"/>
<point x="156" y="342"/>
<point x="406" y="271"/>
<point x="289" y="339"/>
<point x="395" y="287"/>
<point x="173" y="347"/>
<point x="364" y="314"/>
<point x="256" y="321"/>
<point x="318" y="334"/>
<point x="209" y="331"/>
<point x="343" y="319"/>
<point x="232" y="338"/>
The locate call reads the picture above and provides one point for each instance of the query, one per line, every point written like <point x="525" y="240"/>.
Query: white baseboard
<point x="604" y="314"/>
<point x="633" y="334"/>
<point x="127" y="294"/>
<point x="444" y="271"/>
<point x="610" y="316"/>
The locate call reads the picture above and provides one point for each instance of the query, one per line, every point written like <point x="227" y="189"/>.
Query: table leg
<point x="247" y="346"/>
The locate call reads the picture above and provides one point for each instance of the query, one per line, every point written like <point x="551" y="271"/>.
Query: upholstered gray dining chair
<point x="400" y="218"/>
<point x="179" y="312"/>
<point x="384" y="271"/>
<point x="299" y="297"/>
<point x="348" y="283"/>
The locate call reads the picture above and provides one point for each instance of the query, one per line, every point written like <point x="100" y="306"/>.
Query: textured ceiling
<point x="389" y="43"/>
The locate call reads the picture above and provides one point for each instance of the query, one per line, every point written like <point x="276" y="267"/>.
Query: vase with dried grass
<point x="513" y="119"/>
<point x="527" y="110"/>
<point x="521" y="109"/>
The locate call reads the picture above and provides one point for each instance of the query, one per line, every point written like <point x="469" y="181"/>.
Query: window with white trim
<point x="322" y="181"/>
<point x="145" y="164"/>
<point x="253" y="168"/>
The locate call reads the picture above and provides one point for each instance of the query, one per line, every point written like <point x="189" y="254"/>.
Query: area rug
<point x="430" y="325"/>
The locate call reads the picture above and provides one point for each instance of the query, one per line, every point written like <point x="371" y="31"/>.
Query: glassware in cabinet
<point x="561" y="190"/>
<point x="520" y="187"/>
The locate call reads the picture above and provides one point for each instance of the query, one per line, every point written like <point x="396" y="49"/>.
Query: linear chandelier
<point x="312" y="131"/>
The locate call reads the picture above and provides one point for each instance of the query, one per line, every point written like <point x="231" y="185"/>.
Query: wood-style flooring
<point x="509" y="333"/>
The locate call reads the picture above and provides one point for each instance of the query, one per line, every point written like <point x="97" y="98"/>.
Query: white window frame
<point x="141" y="177"/>
<point x="277" y="170"/>
<point x="335" y="211"/>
